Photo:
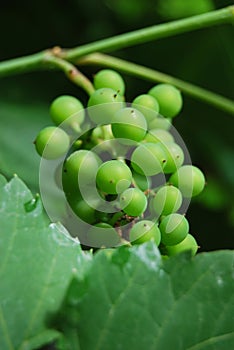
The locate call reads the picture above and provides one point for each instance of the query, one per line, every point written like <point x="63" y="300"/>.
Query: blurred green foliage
<point x="204" y="57"/>
<point x="174" y="9"/>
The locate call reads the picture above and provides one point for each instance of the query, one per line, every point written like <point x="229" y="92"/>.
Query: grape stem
<point x="60" y="59"/>
<point x="71" y="72"/>
<point x="149" y="74"/>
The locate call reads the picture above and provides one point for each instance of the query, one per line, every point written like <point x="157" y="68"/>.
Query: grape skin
<point x="188" y="244"/>
<point x="67" y="108"/>
<point x="130" y="124"/>
<point x="143" y="231"/>
<point x="148" y="159"/>
<point x="147" y="105"/>
<point x="133" y="202"/>
<point x="103" y="104"/>
<point x="189" y="179"/>
<point x="167" y="200"/>
<point x="113" y="177"/>
<point x="174" y="228"/>
<point x="108" y="78"/>
<point x="169" y="99"/>
<point x="175" y="156"/>
<point x="52" y="142"/>
<point x="79" y="170"/>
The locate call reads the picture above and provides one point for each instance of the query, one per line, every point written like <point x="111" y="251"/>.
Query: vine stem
<point x="37" y="61"/>
<point x="61" y="59"/>
<point x="224" y="15"/>
<point x="139" y="71"/>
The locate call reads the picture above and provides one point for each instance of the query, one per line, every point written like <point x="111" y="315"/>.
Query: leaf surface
<point x="37" y="263"/>
<point x="135" y="300"/>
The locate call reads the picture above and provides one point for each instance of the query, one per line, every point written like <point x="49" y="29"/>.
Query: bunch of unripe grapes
<point x="123" y="172"/>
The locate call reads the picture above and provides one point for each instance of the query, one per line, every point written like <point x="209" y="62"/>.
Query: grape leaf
<point x="133" y="299"/>
<point x="37" y="263"/>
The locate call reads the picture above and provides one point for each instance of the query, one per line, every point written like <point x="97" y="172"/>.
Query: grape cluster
<point x="124" y="172"/>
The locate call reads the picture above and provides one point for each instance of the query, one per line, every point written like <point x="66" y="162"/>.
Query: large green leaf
<point x="37" y="263"/>
<point x="133" y="299"/>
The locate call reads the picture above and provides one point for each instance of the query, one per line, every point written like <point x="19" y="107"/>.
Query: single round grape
<point x="67" y="108"/>
<point x="102" y="235"/>
<point x="148" y="159"/>
<point x="108" y="78"/>
<point x="147" y="105"/>
<point x="174" y="228"/>
<point x="189" y="243"/>
<point x="169" y="99"/>
<point x="103" y="104"/>
<point x="167" y="200"/>
<point x="113" y="177"/>
<point x="133" y="202"/>
<point x="158" y="135"/>
<point x="189" y="179"/>
<point x="143" y="231"/>
<point x="130" y="124"/>
<point x="79" y="170"/>
<point x="160" y="123"/>
<point x="175" y="157"/>
<point x="52" y="143"/>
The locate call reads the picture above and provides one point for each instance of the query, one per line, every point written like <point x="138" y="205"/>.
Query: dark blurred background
<point x="205" y="57"/>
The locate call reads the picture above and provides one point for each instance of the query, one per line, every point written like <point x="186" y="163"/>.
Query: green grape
<point x="103" y="104"/>
<point x="189" y="243"/>
<point x="113" y="177"/>
<point x="141" y="181"/>
<point x="189" y="179"/>
<point x="167" y="200"/>
<point x="52" y="143"/>
<point x="133" y="202"/>
<point x="175" y="157"/>
<point x="158" y="135"/>
<point x="79" y="169"/>
<point x="174" y="228"/>
<point x="67" y="108"/>
<point x="148" y="159"/>
<point x="85" y="210"/>
<point x="143" y="231"/>
<point x="130" y="124"/>
<point x="169" y="99"/>
<point x="147" y="105"/>
<point x="107" y="78"/>
<point x="102" y="235"/>
<point x="160" y="123"/>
